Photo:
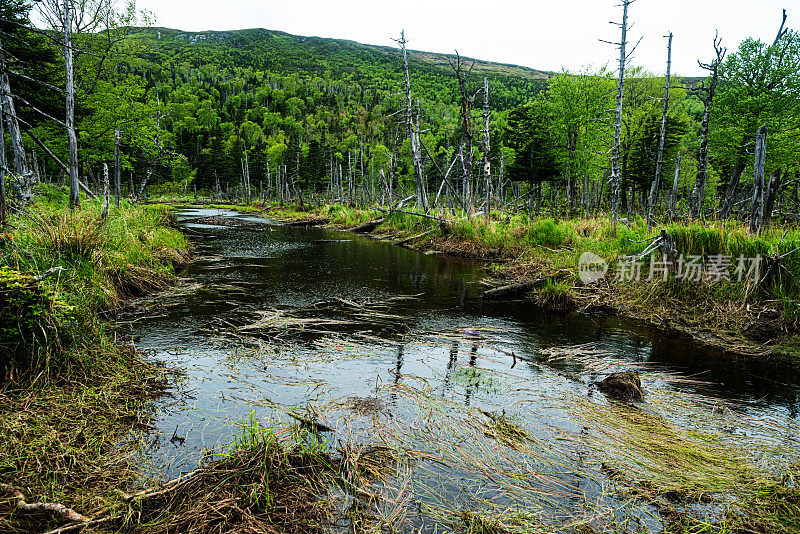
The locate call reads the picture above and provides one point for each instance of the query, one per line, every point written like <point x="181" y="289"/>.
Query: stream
<point x="388" y="345"/>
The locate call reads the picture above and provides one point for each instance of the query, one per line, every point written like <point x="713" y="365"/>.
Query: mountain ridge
<point x="434" y="59"/>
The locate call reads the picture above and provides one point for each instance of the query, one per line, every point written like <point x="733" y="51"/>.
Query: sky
<point x="543" y="35"/>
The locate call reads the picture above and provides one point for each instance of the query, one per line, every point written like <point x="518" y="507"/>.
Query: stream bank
<point x="720" y="315"/>
<point x="72" y="395"/>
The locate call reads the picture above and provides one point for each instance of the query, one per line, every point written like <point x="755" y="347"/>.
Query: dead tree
<point x="466" y="102"/>
<point x="660" y="156"/>
<point x="616" y="178"/>
<point x="413" y="131"/>
<point x="736" y="175"/>
<point x="707" y="97"/>
<point x="747" y="138"/>
<point x="106" y="198"/>
<point x="22" y="181"/>
<point x="487" y="164"/>
<point x="72" y="139"/>
<point x="117" y="170"/>
<point x="2" y="173"/>
<point x="756" y="210"/>
<point x="770" y="194"/>
<point x="673" y="197"/>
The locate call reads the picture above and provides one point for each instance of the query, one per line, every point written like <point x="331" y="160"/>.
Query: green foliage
<point x="761" y="85"/>
<point x="529" y="135"/>
<point x="27" y="323"/>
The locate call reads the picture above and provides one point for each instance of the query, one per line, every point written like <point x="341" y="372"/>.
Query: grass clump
<point x="557" y="295"/>
<point x="261" y="485"/>
<point x="471" y="522"/>
<point x="101" y="261"/>
<point x="504" y="428"/>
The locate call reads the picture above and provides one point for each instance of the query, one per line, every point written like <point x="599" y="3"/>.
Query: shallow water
<point x="413" y="358"/>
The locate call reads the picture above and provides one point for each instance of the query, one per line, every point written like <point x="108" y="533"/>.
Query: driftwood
<point x="67" y="514"/>
<point x="45" y="275"/>
<point x="368" y="226"/>
<point x="512" y="290"/>
<point x="408" y="240"/>
<point x="84" y="525"/>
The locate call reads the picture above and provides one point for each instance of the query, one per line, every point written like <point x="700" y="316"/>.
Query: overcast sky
<point x="545" y="35"/>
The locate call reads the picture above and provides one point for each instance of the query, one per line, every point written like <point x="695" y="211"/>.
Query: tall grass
<point x="104" y="260"/>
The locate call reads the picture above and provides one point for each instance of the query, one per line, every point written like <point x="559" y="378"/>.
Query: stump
<point x="622" y="386"/>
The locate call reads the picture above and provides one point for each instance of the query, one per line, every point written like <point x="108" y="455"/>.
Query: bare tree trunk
<point x="466" y="119"/>
<point x="615" y="169"/>
<point x="117" y="170"/>
<point x="422" y="198"/>
<point x="487" y="164"/>
<point x="20" y="163"/>
<point x="660" y="156"/>
<point x="143" y="186"/>
<point x="756" y="211"/>
<point x="72" y="140"/>
<point x="247" y="175"/>
<point x="733" y="184"/>
<point x="673" y="197"/>
<point x="769" y="197"/>
<point x="106" y="199"/>
<point x="2" y="173"/>
<point x="699" y="190"/>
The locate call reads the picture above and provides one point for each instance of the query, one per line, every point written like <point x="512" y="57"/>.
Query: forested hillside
<point x="206" y="109"/>
<point x="228" y="112"/>
<point x="191" y="105"/>
<point x="277" y="97"/>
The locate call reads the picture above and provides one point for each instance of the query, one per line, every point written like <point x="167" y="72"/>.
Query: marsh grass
<point x="75" y="444"/>
<point x="695" y="459"/>
<point x="270" y="481"/>
<point x="72" y="398"/>
<point x="557" y="295"/>
<point x="260" y="485"/>
<point x="104" y="261"/>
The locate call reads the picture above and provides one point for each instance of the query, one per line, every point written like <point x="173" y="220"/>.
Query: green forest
<point x="224" y="112"/>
